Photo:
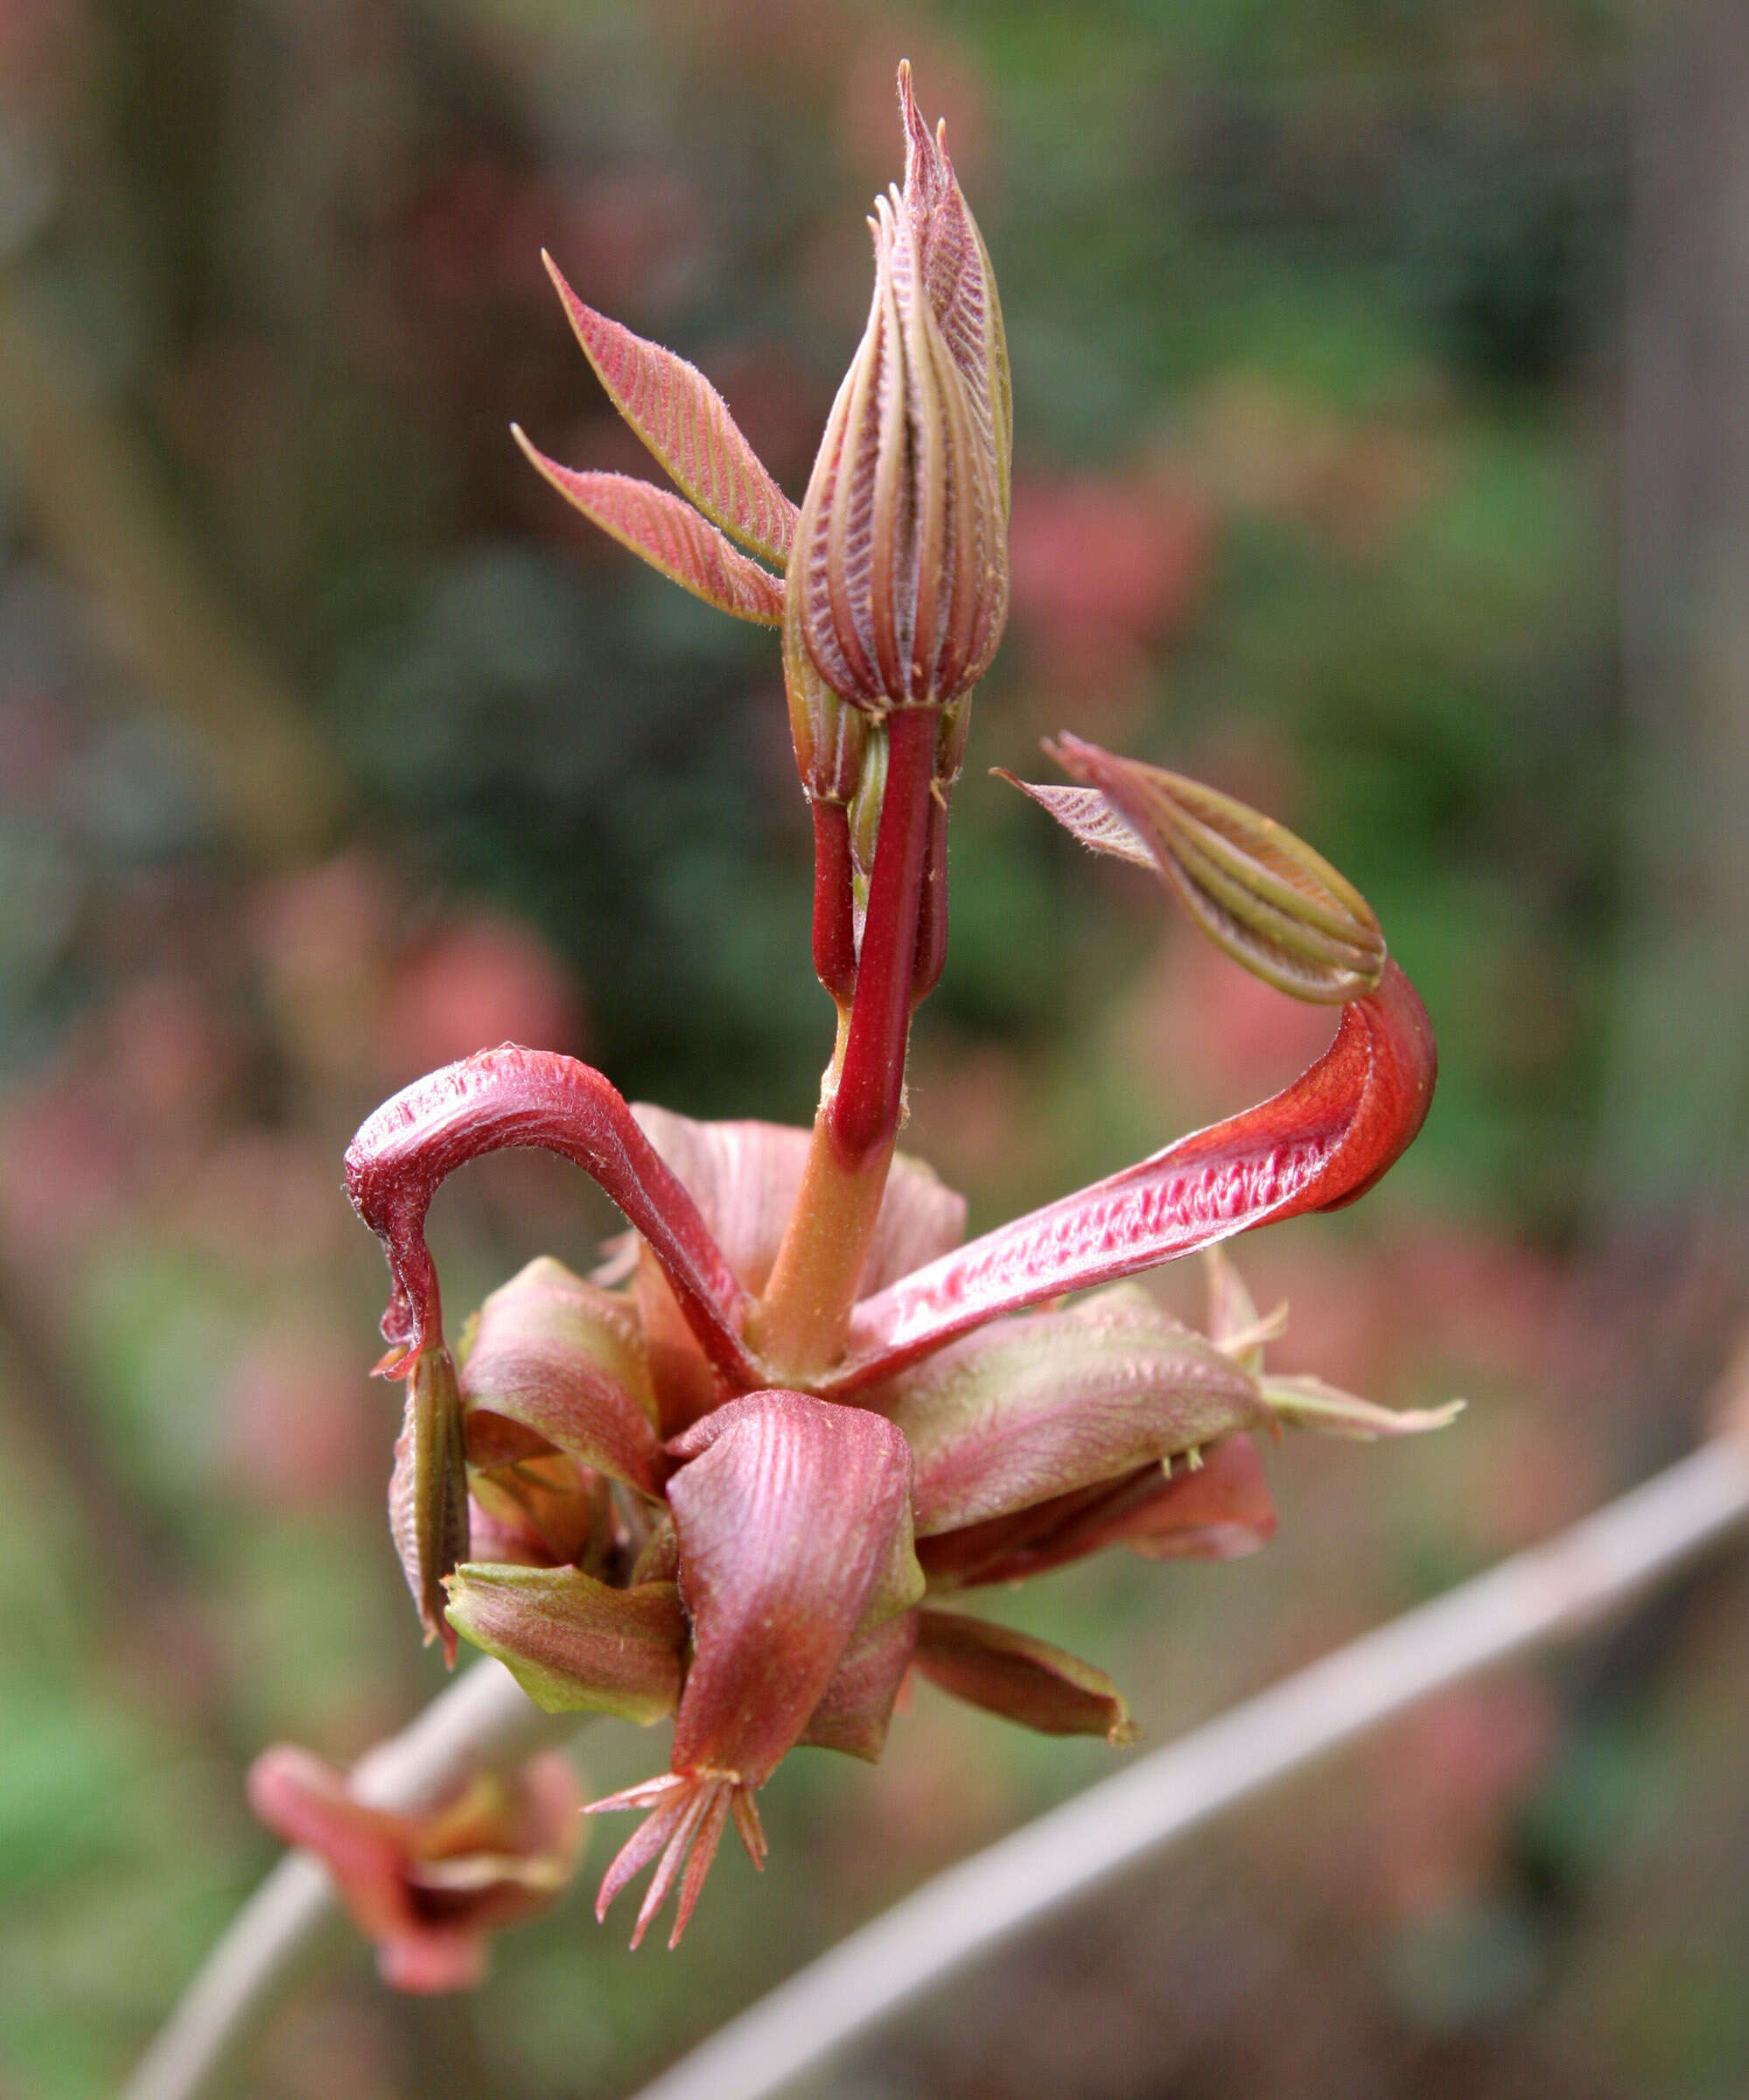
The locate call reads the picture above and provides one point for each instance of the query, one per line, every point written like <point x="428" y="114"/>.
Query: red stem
<point x="864" y="1110"/>
<point x="932" y="912"/>
<point x="835" y="940"/>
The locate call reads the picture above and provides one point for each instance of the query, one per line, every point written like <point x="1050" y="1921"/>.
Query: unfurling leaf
<point x="428" y="1489"/>
<point x="897" y="586"/>
<point x="1309" y="1403"/>
<point x="686" y="423"/>
<point x="668" y="534"/>
<point x="1032" y="1408"/>
<point x="1022" y="1679"/>
<point x="1089" y="819"/>
<point x="565" y="1359"/>
<point x="1257" y="891"/>
<point x="794" y="1519"/>
<point x="573" y="1644"/>
<point x="1218" y="1510"/>
<point x="794" y="1523"/>
<point x="857" y="1705"/>
<point x="1316" y="1146"/>
<point x="1234" y="1325"/>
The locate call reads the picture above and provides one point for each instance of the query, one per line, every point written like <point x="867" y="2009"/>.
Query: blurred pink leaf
<point x="428" y="1888"/>
<point x="482" y="979"/>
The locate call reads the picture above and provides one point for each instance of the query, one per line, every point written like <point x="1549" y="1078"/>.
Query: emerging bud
<point x="897" y="582"/>
<point x="1318" y="1144"/>
<point x="1254" y="889"/>
<point x="830" y="735"/>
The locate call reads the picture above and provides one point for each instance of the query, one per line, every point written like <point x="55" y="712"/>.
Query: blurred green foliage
<point x="1315" y="312"/>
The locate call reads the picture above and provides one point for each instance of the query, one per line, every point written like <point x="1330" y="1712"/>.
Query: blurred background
<point x="1382" y="456"/>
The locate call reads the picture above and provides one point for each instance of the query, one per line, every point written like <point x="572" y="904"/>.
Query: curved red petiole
<point x="515" y="1097"/>
<point x="1316" y="1146"/>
